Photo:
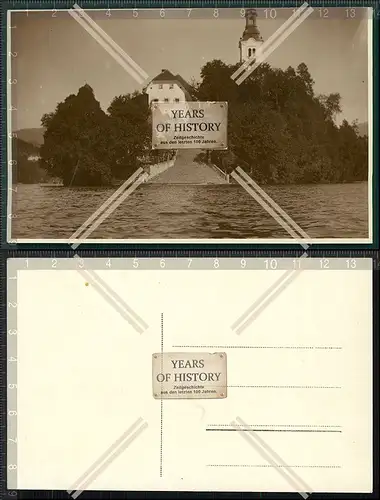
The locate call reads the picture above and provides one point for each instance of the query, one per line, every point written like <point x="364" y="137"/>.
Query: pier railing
<point x="158" y="168"/>
<point x="219" y="171"/>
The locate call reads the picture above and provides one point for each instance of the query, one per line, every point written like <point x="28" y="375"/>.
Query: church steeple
<point x="251" y="39"/>
<point x="251" y="29"/>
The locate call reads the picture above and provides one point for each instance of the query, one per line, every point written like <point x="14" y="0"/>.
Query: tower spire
<point x="251" y="29"/>
<point x="251" y="39"/>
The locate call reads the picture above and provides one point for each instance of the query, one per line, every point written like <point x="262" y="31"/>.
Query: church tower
<point x="251" y="39"/>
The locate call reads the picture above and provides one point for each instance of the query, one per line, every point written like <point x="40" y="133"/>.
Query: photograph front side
<point x="241" y="128"/>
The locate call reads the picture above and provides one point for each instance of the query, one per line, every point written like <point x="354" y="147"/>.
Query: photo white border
<point x="242" y="241"/>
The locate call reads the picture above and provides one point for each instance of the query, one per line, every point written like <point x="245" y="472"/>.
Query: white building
<point x="167" y="87"/>
<point x="251" y="39"/>
<point x="34" y="158"/>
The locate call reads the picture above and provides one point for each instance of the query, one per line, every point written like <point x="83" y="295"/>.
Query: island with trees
<point x="279" y="132"/>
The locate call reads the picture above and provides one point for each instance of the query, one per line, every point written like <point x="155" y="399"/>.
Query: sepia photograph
<point x="190" y="125"/>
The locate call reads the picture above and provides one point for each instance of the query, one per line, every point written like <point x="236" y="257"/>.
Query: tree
<point x="279" y="131"/>
<point x="331" y="105"/>
<point x="305" y="77"/>
<point x="216" y="81"/>
<point x="129" y="133"/>
<point x="75" y="145"/>
<point x="258" y="138"/>
<point x="352" y="152"/>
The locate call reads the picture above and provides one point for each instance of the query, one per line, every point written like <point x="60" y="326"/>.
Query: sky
<point x="56" y="56"/>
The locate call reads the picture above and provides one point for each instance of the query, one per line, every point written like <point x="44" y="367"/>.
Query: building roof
<point x="184" y="83"/>
<point x="167" y="77"/>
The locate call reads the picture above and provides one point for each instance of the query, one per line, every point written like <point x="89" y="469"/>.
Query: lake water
<point x="191" y="211"/>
